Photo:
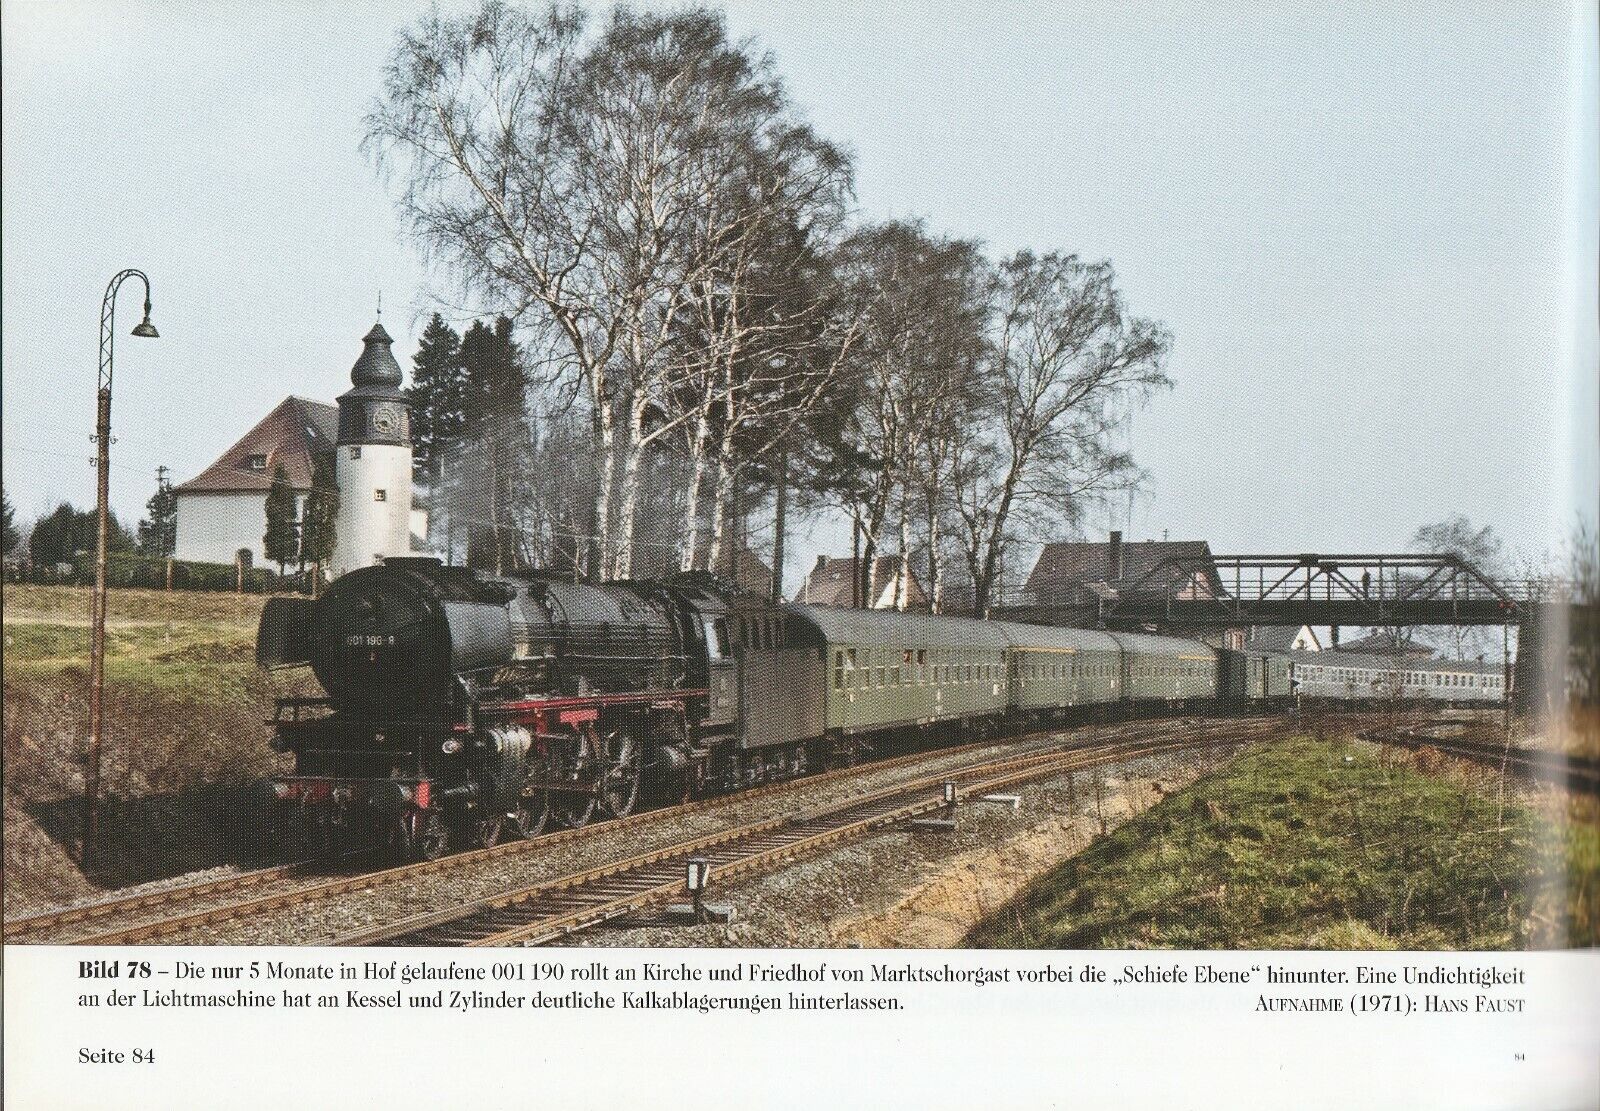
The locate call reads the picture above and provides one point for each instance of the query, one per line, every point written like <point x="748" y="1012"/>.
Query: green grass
<point x="179" y="644"/>
<point x="1301" y="844"/>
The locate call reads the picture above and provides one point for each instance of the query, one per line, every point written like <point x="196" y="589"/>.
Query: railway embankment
<point x="185" y="706"/>
<point x="1327" y="843"/>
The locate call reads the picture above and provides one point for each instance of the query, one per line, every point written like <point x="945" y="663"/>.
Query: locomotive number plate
<point x="359" y="640"/>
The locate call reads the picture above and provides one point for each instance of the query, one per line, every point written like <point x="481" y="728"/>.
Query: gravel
<point x="799" y="906"/>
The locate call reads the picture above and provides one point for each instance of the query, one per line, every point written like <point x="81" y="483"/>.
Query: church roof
<point x="291" y="436"/>
<point x="376" y="366"/>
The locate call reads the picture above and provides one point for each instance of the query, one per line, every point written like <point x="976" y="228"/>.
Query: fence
<point x="124" y="570"/>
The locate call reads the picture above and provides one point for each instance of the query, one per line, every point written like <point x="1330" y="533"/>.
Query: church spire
<point x="376" y="366"/>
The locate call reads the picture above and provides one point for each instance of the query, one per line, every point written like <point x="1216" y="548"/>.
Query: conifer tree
<point x="8" y="525"/>
<point x="158" y="532"/>
<point x="322" y="508"/>
<point x="437" y="396"/>
<point x="280" y="540"/>
<point x="497" y="451"/>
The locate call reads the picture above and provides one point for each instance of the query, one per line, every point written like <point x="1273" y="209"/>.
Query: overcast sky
<point x="1371" y="230"/>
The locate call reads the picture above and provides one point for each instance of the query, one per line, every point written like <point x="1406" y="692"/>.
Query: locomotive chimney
<point x="1114" y="557"/>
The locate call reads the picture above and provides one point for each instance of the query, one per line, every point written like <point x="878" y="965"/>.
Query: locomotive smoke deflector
<point x="283" y="637"/>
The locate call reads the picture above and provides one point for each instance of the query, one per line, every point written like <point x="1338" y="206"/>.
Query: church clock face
<point x="385" y="420"/>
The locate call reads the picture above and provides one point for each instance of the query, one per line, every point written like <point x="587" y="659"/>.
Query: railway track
<point x="24" y="927"/>
<point x="1579" y="773"/>
<point x="193" y="906"/>
<point x="556" y="909"/>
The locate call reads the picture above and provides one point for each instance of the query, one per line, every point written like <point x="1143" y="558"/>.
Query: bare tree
<point x="1583" y="588"/>
<point x="919" y="299"/>
<point x="1066" y="359"/>
<point x="761" y="336"/>
<point x="1481" y="548"/>
<point x="475" y="117"/>
<point x="948" y="394"/>
<point x="597" y="186"/>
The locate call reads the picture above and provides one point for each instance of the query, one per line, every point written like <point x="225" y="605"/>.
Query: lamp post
<point x="97" y="611"/>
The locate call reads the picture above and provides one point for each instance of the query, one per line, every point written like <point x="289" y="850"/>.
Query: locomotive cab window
<point x="717" y="637"/>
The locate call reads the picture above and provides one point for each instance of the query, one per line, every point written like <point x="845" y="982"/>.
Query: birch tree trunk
<point x="727" y="474"/>
<point x="602" y="510"/>
<point x="691" y="501"/>
<point x="633" y="456"/>
<point x="902" y="578"/>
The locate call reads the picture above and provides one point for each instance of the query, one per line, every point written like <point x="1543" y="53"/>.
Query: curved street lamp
<point x="97" y="643"/>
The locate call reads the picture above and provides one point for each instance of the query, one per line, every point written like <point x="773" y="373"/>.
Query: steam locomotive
<point x="460" y="707"/>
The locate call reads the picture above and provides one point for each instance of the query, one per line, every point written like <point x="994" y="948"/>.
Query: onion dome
<point x="376" y="366"/>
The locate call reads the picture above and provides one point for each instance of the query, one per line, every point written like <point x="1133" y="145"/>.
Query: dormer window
<point x="256" y="462"/>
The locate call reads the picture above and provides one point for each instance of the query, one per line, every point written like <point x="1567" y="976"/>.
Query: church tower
<point x="373" y="462"/>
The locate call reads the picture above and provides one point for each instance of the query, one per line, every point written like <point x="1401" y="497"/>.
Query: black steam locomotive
<point x="460" y="706"/>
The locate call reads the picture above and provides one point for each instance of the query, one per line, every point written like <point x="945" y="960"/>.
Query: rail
<point x="556" y="909"/>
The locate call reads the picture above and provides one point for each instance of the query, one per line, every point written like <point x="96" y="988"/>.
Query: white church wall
<point x="213" y="527"/>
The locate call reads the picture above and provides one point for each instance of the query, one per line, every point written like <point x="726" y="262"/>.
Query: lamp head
<point x="144" y="328"/>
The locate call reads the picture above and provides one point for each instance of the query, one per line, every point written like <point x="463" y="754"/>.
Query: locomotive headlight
<point x="451" y="746"/>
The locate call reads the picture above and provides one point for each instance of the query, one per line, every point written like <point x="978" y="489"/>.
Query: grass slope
<point x="185" y="713"/>
<point x="1300" y="844"/>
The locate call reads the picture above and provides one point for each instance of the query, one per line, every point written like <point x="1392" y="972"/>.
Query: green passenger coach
<point x="888" y="670"/>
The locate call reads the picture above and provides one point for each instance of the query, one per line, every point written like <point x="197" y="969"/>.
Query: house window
<point x="355" y="451"/>
<point x="380" y="495"/>
<point x="257" y="462"/>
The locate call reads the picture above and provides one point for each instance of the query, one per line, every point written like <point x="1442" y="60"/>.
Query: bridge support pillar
<point x="1539" y="677"/>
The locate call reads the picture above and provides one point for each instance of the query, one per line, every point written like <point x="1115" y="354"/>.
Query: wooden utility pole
<point x="779" y="514"/>
<point x="97" y="620"/>
<point x="856" y="588"/>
